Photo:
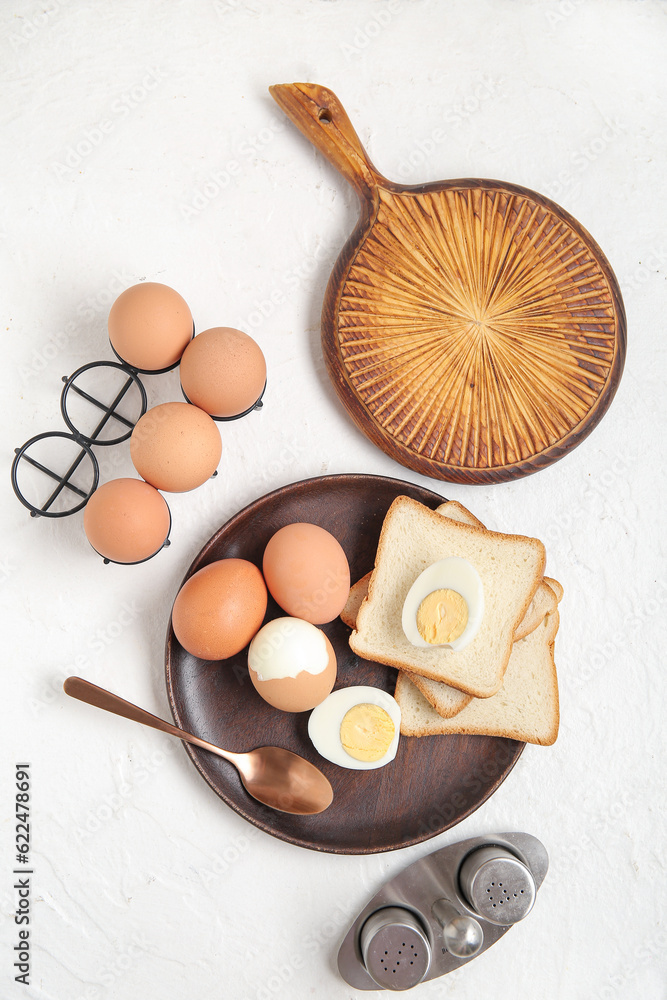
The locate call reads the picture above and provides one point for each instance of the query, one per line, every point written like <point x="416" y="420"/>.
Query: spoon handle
<point x="76" y="687"/>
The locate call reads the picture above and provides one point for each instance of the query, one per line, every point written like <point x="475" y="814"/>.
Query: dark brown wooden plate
<point x="473" y="329"/>
<point x="433" y="783"/>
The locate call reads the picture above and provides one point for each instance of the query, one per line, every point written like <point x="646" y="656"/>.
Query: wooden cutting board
<point x="473" y="329"/>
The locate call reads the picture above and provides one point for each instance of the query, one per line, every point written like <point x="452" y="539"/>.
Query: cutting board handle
<point x="318" y="113"/>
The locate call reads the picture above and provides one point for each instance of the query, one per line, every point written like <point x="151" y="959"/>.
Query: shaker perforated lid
<point x="395" y="948"/>
<point x="497" y="885"/>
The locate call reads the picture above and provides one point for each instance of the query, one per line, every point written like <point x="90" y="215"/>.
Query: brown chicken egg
<point x="223" y="371"/>
<point x="175" y="447"/>
<point x="292" y="664"/>
<point x="219" y="609"/>
<point x="150" y="326"/>
<point x="307" y="572"/>
<point x="126" y="521"/>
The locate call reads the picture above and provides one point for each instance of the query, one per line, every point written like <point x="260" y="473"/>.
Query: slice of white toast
<point x="412" y="538"/>
<point x="446" y="699"/>
<point x="543" y="603"/>
<point x="358" y="591"/>
<point x="525" y="707"/>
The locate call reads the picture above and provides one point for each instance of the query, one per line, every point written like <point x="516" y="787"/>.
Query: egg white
<point x="446" y="574"/>
<point x="325" y="722"/>
<point x="286" y="646"/>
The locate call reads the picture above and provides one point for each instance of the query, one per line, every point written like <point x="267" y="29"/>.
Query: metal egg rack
<point x="110" y="412"/>
<point x="72" y="488"/>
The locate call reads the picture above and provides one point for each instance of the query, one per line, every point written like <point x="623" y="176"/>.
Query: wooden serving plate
<point x="433" y="783"/>
<point x="473" y="329"/>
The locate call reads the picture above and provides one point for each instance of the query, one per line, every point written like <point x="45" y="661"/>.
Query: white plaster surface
<point x="145" y="884"/>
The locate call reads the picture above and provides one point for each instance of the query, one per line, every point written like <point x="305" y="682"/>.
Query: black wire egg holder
<point x="85" y="442"/>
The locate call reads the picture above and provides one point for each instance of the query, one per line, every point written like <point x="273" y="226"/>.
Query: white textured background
<point x="145" y="884"/>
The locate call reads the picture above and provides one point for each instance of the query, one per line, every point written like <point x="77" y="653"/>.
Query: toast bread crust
<point x="444" y="668"/>
<point x="478" y="717"/>
<point x="543" y="603"/>
<point x="556" y="587"/>
<point x="358" y="592"/>
<point x="447" y="700"/>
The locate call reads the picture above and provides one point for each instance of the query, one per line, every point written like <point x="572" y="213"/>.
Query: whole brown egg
<point x="220" y="608"/>
<point x="307" y="572"/>
<point x="223" y="371"/>
<point x="175" y="447"/>
<point x="126" y="520"/>
<point x="150" y="326"/>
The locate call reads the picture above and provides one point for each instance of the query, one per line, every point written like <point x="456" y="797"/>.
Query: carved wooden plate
<point x="473" y="329"/>
<point x="433" y="783"/>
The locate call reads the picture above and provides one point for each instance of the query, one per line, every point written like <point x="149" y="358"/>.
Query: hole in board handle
<point x="325" y="116"/>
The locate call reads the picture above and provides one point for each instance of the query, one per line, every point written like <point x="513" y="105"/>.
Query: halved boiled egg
<point x="445" y="605"/>
<point x="356" y="727"/>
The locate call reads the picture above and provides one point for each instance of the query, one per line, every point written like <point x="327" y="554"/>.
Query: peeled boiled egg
<point x="292" y="664"/>
<point x="445" y="605"/>
<point x="126" y="521"/>
<point x="175" y="447"/>
<point x="219" y="609"/>
<point x="356" y="727"/>
<point x="150" y="326"/>
<point x="307" y="572"/>
<point x="223" y="371"/>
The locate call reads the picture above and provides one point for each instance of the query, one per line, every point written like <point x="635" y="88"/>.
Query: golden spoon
<point x="276" y="777"/>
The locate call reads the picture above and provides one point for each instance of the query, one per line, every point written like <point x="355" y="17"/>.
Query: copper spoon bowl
<point x="278" y="778"/>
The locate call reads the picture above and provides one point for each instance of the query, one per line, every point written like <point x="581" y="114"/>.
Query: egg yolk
<point x="442" y="617"/>
<point x="366" y="732"/>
